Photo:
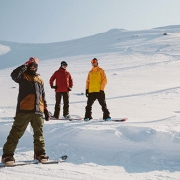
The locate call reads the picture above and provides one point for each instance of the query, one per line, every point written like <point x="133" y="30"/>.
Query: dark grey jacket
<point x="31" y="97"/>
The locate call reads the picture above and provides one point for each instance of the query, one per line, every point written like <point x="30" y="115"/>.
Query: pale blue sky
<point x="43" y="21"/>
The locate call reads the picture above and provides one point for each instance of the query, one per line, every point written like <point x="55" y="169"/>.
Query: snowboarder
<point x="30" y="108"/>
<point x="95" y="84"/>
<point x="63" y="84"/>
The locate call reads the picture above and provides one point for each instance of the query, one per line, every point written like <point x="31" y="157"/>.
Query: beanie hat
<point x="34" y="59"/>
<point x="64" y="63"/>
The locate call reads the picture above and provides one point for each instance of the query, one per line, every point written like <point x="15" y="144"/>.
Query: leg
<point x="102" y="102"/>
<point x="37" y="125"/>
<point x="57" y="105"/>
<point x="88" y="108"/>
<point x="66" y="103"/>
<point x="19" y="126"/>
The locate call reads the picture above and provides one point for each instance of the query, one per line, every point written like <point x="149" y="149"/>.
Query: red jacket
<point x="63" y="80"/>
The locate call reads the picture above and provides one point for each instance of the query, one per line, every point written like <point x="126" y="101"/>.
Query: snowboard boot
<point x="108" y="119"/>
<point x="87" y="119"/>
<point x="67" y="116"/>
<point x="41" y="158"/>
<point x="8" y="159"/>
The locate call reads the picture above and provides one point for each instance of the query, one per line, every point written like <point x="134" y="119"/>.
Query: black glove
<point x="69" y="89"/>
<point x="87" y="93"/>
<point x="54" y="87"/>
<point x="46" y="113"/>
<point x="101" y="92"/>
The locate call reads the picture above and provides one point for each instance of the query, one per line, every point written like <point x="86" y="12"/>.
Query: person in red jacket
<point x="63" y="84"/>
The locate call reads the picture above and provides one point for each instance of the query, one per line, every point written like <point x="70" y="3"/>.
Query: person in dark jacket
<point x="30" y="108"/>
<point x="63" y="84"/>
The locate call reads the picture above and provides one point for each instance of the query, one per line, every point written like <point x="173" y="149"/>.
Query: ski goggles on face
<point x="33" y="68"/>
<point x="64" y="64"/>
<point x="94" y="61"/>
<point x="33" y="64"/>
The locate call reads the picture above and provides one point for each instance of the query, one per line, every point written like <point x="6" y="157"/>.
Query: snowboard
<point x="115" y="120"/>
<point x="73" y="117"/>
<point x="112" y="119"/>
<point x="78" y="118"/>
<point x="98" y="120"/>
<point x="70" y="119"/>
<point x="23" y="163"/>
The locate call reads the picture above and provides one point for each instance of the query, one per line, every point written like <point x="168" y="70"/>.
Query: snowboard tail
<point x="119" y="119"/>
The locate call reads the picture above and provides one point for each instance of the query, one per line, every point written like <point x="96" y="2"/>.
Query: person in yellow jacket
<point x="95" y="85"/>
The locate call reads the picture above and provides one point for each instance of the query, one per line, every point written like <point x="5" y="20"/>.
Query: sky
<point x="45" y="21"/>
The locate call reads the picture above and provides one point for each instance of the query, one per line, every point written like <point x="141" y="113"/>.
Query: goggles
<point x="94" y="61"/>
<point x="33" y="64"/>
<point x="64" y="64"/>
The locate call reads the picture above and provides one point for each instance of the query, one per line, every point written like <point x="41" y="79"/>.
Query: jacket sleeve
<point x="104" y="80"/>
<point x="51" y="80"/>
<point x="43" y="96"/>
<point x="17" y="73"/>
<point x="70" y="81"/>
<point x="87" y="81"/>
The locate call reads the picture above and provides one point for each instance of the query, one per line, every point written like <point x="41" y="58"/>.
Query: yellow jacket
<point x="96" y="80"/>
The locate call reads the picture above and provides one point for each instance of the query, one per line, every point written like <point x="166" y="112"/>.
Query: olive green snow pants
<point x="19" y="126"/>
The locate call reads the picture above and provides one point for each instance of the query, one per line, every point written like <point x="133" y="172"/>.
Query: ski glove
<point x="54" y="87"/>
<point x="69" y="89"/>
<point x="87" y="93"/>
<point x="46" y="113"/>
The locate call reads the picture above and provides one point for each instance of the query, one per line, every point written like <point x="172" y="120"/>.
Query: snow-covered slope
<point x="143" y="74"/>
<point x="115" y="40"/>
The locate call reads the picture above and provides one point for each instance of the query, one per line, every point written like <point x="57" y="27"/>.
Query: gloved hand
<point x="54" y="87"/>
<point x="101" y="92"/>
<point x="87" y="93"/>
<point x="46" y="113"/>
<point x="29" y="62"/>
<point x="69" y="89"/>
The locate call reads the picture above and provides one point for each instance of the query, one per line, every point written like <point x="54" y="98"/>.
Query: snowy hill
<point x="115" y="40"/>
<point x="143" y="74"/>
